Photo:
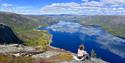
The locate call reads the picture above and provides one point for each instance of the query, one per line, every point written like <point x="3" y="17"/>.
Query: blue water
<point x="71" y="41"/>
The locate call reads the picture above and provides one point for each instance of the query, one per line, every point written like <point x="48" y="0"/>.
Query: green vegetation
<point x="37" y="38"/>
<point x="60" y="57"/>
<point x="11" y="59"/>
<point x="24" y="26"/>
<point x="55" y="59"/>
<point x="113" y="24"/>
<point x="65" y="56"/>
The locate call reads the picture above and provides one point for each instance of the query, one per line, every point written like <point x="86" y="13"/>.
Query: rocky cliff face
<point x="7" y="36"/>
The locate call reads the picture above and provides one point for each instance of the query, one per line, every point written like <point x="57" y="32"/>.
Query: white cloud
<point x="93" y="3"/>
<point x="87" y="8"/>
<point x="6" y="7"/>
<point x="5" y="4"/>
<point x="107" y="7"/>
<point x="22" y="7"/>
<point x="71" y="4"/>
<point x="19" y="9"/>
<point x="60" y="8"/>
<point x="26" y="10"/>
<point x="114" y="1"/>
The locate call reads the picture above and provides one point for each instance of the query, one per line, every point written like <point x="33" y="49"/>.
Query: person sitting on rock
<point x="82" y="54"/>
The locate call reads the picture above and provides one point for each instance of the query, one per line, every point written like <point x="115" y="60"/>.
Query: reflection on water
<point x="70" y="35"/>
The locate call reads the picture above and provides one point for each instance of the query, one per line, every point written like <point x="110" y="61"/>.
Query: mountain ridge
<point x="22" y="24"/>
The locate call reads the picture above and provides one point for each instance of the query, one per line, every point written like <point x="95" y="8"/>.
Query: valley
<point x="23" y="28"/>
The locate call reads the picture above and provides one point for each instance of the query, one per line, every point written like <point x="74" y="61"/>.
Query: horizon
<point x="57" y="7"/>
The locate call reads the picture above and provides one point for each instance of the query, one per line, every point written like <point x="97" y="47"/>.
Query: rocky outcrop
<point x="17" y="50"/>
<point x="7" y="36"/>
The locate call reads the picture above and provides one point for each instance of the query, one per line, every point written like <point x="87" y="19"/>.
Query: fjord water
<point x="69" y="35"/>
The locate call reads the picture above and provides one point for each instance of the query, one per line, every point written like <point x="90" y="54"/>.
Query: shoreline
<point x="74" y="54"/>
<point x="60" y="49"/>
<point x="120" y="37"/>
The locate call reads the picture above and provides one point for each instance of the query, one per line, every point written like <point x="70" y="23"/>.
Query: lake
<point x="69" y="35"/>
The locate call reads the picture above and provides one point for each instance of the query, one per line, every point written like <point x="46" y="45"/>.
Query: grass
<point x="36" y="38"/>
<point x="54" y="59"/>
<point x="11" y="59"/>
<point x="63" y="56"/>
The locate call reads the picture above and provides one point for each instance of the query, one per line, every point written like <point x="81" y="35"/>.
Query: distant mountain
<point x="22" y="27"/>
<point x="113" y="24"/>
<point x="16" y="21"/>
<point x="21" y="24"/>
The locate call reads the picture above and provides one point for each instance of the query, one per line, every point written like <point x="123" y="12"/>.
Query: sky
<point x="77" y="7"/>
